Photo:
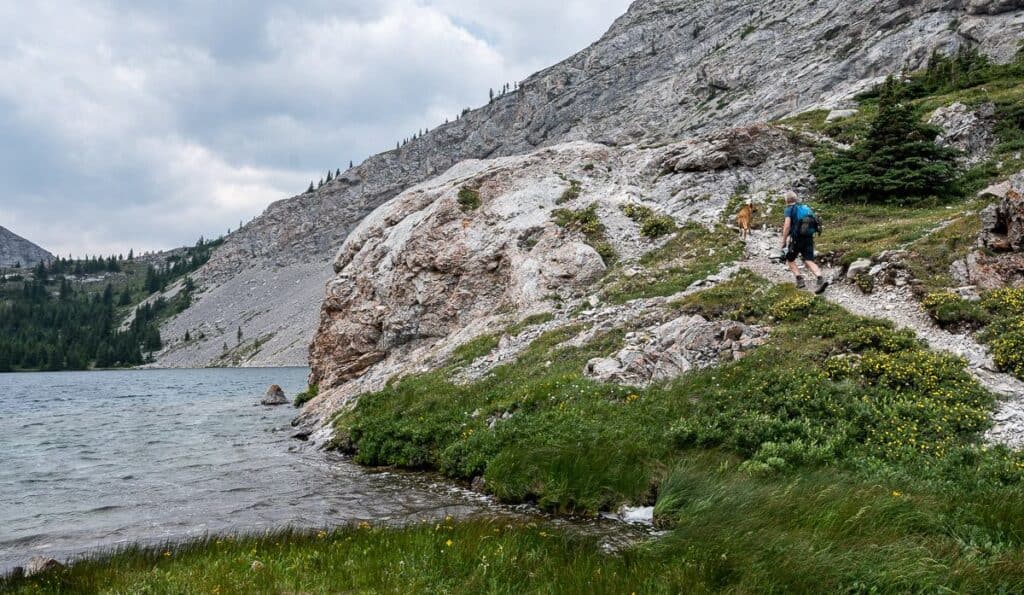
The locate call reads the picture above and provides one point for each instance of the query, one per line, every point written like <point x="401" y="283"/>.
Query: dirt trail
<point x="900" y="307"/>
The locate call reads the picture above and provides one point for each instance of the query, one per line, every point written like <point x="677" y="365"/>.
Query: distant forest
<point x="49" y="321"/>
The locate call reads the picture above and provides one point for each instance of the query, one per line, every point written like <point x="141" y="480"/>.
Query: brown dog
<point x="744" y="219"/>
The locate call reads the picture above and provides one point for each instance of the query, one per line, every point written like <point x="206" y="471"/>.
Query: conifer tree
<point x="897" y="163"/>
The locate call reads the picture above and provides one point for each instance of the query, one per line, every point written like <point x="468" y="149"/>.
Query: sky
<point x="145" y="124"/>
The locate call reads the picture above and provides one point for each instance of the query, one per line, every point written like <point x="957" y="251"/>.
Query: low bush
<point x="1005" y="334"/>
<point x="571" y="193"/>
<point x="952" y="311"/>
<point x="653" y="225"/>
<point x="312" y="392"/>
<point x="469" y="199"/>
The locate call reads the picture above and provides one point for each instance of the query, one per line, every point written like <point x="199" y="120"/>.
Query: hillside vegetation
<point x="67" y="314"/>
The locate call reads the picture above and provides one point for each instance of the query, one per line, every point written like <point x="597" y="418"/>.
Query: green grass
<point x="467" y="557"/>
<point x="862" y="231"/>
<point x="694" y="253"/>
<point x="534" y="320"/>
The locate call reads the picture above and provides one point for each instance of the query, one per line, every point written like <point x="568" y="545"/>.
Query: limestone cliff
<point x="665" y="71"/>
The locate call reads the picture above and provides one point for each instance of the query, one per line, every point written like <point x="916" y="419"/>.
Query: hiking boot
<point x="822" y="286"/>
<point x="800" y="284"/>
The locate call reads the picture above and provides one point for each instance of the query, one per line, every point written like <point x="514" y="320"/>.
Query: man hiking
<point x="798" y="240"/>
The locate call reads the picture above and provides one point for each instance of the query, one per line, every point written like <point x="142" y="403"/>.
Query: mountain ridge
<point x="664" y="71"/>
<point x="17" y="251"/>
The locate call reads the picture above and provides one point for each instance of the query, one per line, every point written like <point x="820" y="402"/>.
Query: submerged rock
<point x="275" y="396"/>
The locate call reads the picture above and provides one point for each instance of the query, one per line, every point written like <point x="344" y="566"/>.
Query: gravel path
<point x="899" y="306"/>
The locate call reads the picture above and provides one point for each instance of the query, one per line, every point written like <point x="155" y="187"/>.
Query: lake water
<point x="100" y="459"/>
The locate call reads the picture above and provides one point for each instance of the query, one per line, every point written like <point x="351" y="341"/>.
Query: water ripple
<point x="95" y="460"/>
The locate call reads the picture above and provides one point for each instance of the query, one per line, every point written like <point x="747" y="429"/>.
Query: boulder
<point x="857" y="268"/>
<point x="422" y="268"/>
<point x="1003" y="223"/>
<point x="40" y="565"/>
<point x="966" y="129"/>
<point x="749" y="147"/>
<point x="275" y="396"/>
<point x="996" y="190"/>
<point x="839" y="114"/>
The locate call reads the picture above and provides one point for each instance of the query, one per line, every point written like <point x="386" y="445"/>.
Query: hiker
<point x="798" y="240"/>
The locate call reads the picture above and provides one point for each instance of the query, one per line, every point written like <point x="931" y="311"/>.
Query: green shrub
<point x="1007" y="343"/>
<point x="653" y="225"/>
<point x="1009" y="126"/>
<point x="469" y="199"/>
<point x="572" y="192"/>
<point x="951" y="310"/>
<point x="307" y="395"/>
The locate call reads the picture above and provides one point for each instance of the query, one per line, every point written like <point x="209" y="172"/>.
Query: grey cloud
<point x="145" y="124"/>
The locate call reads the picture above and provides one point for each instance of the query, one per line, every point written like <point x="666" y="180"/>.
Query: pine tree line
<point x="48" y="324"/>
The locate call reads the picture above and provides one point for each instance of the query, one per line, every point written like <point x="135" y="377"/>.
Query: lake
<point x="100" y="459"/>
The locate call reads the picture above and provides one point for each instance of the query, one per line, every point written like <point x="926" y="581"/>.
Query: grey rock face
<point x="1000" y="260"/>
<point x="16" y="250"/>
<point x="275" y="396"/>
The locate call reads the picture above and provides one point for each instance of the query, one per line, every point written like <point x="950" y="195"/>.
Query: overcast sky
<point x="145" y="124"/>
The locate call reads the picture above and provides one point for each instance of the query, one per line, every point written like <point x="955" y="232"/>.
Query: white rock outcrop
<point x="675" y="348"/>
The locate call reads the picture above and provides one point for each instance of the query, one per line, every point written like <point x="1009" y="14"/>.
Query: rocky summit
<point x="678" y="72"/>
<point x="16" y="251"/>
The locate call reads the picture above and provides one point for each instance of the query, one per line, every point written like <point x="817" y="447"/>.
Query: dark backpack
<point x="805" y="223"/>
